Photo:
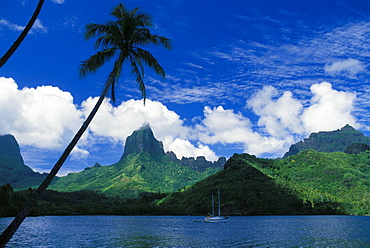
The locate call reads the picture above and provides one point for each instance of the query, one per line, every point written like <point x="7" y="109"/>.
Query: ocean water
<point x="191" y="231"/>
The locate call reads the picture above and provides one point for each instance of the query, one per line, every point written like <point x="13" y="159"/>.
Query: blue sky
<point x="243" y="76"/>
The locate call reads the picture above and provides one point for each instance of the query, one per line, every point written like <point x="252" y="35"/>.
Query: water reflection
<point x="188" y="231"/>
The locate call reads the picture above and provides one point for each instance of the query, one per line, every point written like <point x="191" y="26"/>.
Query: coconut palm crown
<point x="122" y="39"/>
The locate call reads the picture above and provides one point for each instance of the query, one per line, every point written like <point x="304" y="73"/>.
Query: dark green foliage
<point x="307" y="183"/>
<point x="10" y="201"/>
<point x="356" y="148"/>
<point x="319" y="177"/>
<point x="134" y="174"/>
<point x="78" y="202"/>
<point x="334" y="141"/>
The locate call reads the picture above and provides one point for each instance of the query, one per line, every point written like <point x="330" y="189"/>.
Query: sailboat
<point x="211" y="218"/>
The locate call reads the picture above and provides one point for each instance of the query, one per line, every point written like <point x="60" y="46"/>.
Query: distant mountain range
<point x="143" y="167"/>
<point x="333" y="141"/>
<point x="305" y="181"/>
<point x="143" y="153"/>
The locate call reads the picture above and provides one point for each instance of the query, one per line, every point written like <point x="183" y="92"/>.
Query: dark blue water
<point x="189" y="231"/>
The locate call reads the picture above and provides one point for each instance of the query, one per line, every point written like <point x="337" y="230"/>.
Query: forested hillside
<point x="307" y="183"/>
<point x="134" y="174"/>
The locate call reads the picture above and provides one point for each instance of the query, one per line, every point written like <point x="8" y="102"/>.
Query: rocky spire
<point x="10" y="156"/>
<point x="143" y="140"/>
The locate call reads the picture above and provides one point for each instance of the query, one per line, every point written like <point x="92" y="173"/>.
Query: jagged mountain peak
<point x="9" y="150"/>
<point x="143" y="140"/>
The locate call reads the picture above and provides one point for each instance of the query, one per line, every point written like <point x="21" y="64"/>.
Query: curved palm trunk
<point x="13" y="226"/>
<point x="24" y="33"/>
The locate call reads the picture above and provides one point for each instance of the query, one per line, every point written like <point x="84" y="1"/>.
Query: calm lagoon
<point x="190" y="231"/>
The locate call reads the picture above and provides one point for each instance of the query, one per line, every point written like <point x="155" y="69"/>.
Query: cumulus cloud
<point x="283" y="118"/>
<point x="279" y="115"/>
<point x="227" y="127"/>
<point x="44" y="117"/>
<point x="352" y="67"/>
<point x="329" y="109"/>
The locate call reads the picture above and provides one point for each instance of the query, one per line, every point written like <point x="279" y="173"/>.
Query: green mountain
<point x="12" y="167"/>
<point x="310" y="182"/>
<point x="144" y="167"/>
<point x="333" y="141"/>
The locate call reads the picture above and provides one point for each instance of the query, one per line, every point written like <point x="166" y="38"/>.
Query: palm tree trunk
<point x="13" y="226"/>
<point x="24" y="33"/>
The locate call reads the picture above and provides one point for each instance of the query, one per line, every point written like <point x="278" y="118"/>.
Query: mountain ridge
<point x="143" y="167"/>
<point x="329" y="141"/>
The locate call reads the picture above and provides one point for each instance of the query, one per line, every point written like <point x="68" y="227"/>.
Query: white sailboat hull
<point x="215" y="219"/>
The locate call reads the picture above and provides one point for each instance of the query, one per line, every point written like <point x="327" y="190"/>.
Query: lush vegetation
<point x="326" y="177"/>
<point x="307" y="183"/>
<point x="79" y="202"/>
<point x="131" y="176"/>
<point x="310" y="182"/>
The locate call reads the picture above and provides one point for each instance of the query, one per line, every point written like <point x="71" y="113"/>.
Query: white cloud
<point x="58" y="1"/>
<point x="10" y="25"/>
<point x="79" y="154"/>
<point x="44" y="117"/>
<point x="349" y="66"/>
<point x="279" y="116"/>
<point x="223" y="126"/>
<point x="186" y="149"/>
<point x="283" y="115"/>
<point x="226" y="127"/>
<point x="37" y="26"/>
<point x="330" y="109"/>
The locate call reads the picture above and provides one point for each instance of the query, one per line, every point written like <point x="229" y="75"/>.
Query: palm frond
<point x="93" y="29"/>
<point x="159" y="40"/>
<point x="152" y="62"/>
<point x="96" y="61"/>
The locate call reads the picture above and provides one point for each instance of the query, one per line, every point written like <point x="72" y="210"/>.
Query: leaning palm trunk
<point x="122" y="38"/>
<point x="13" y="226"/>
<point x="23" y="35"/>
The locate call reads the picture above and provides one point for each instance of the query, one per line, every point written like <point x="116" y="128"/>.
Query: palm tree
<point x="121" y="39"/>
<point x="23" y="35"/>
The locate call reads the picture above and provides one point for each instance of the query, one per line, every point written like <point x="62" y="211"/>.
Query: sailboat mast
<point x="219" y="204"/>
<point x="213" y="206"/>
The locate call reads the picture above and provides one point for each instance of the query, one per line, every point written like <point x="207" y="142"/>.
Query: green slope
<point x="307" y="183"/>
<point x="318" y="177"/>
<point x="132" y="175"/>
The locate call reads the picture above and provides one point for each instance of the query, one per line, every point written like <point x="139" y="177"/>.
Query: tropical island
<point x="148" y="181"/>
